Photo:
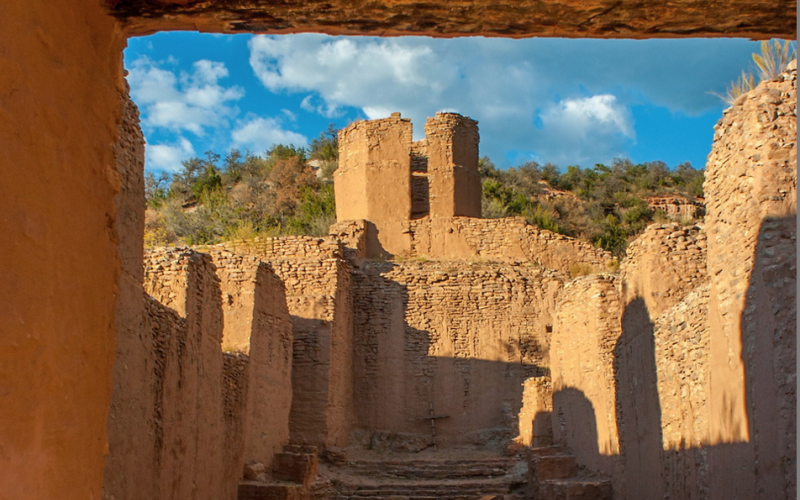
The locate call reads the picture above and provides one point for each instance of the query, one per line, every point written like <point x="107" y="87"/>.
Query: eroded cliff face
<point x="596" y="19"/>
<point x="60" y="104"/>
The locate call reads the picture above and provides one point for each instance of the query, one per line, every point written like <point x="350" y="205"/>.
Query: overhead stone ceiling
<point x="757" y="19"/>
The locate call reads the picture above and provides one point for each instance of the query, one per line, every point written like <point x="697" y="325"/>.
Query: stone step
<point x="576" y="489"/>
<point x="432" y="488"/>
<point x="252" y="490"/>
<point x="417" y="497"/>
<point x="547" y="467"/>
<point x="450" y="469"/>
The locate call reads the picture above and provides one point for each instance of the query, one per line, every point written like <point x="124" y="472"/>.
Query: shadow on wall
<point x="638" y="405"/>
<point x="574" y="414"/>
<point x="764" y="466"/>
<point x="416" y="386"/>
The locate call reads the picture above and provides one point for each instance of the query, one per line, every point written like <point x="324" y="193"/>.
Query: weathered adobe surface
<point x="752" y="248"/>
<point x="189" y="427"/>
<point x="582" y="353"/>
<point x="258" y="333"/>
<point x="61" y="275"/>
<point x="664" y="264"/>
<point x="130" y="413"/>
<point x="317" y="284"/>
<point x="507" y="240"/>
<point x="61" y="88"/>
<point x="185" y="416"/>
<point x="455" y="337"/>
<point x="704" y="367"/>
<point x="526" y="18"/>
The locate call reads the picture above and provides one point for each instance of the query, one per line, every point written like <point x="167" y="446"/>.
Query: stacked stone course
<point x="317" y="282"/>
<point x="459" y="336"/>
<point x="751" y="186"/>
<point x="677" y="207"/>
<point x="704" y="367"/>
<point x="664" y="264"/>
<point x="506" y="240"/>
<point x="665" y="378"/>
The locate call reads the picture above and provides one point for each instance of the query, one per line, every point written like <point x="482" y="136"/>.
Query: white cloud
<point x="584" y="115"/>
<point x="258" y="134"/>
<point x="560" y="100"/>
<point x="378" y="76"/>
<point x="168" y="157"/>
<point x="584" y="131"/>
<point x="195" y="102"/>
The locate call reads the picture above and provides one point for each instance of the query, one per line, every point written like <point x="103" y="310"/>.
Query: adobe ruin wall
<point x="509" y="239"/>
<point x="582" y="353"/>
<point x="751" y="186"/>
<point x="131" y="407"/>
<point x="492" y="337"/>
<point x="454" y="338"/>
<point x="189" y="427"/>
<point x="62" y="277"/>
<point x="317" y="283"/>
<point x="257" y="338"/>
<point x="704" y="336"/>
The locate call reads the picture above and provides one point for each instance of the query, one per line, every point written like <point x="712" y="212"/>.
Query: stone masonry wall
<point x="451" y="147"/>
<point x="751" y="186"/>
<point x="505" y="240"/>
<point x="629" y="360"/>
<point x="258" y="325"/>
<point x="586" y="332"/>
<point x="663" y="265"/>
<point x="420" y="187"/>
<point x="317" y="284"/>
<point x="454" y="338"/>
<point x="185" y="318"/>
<point x="704" y="367"/>
<point x="373" y="181"/>
<point x="682" y="367"/>
<point x="127" y="469"/>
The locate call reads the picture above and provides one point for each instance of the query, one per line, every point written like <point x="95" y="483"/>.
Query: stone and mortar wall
<point x="751" y="186"/>
<point x="373" y="181"/>
<point x="258" y="326"/>
<point x="630" y="368"/>
<point x="386" y="179"/>
<point x="458" y="336"/>
<point x="681" y="336"/>
<point x="677" y="207"/>
<point x="185" y="317"/>
<point x="586" y="332"/>
<point x="318" y="295"/>
<point x="130" y="464"/>
<point x="535" y="423"/>
<point x="451" y="148"/>
<point x="505" y="240"/>
<point x="420" y="186"/>
<point x="704" y="368"/>
<point x="663" y="264"/>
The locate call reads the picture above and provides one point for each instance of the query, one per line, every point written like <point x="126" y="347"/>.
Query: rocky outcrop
<point x="561" y="18"/>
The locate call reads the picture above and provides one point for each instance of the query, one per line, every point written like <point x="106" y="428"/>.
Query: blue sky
<point x="570" y="102"/>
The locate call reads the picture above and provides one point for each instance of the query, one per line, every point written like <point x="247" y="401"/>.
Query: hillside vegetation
<point x="289" y="190"/>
